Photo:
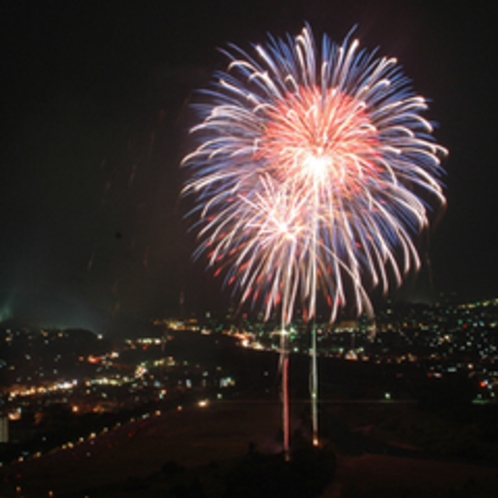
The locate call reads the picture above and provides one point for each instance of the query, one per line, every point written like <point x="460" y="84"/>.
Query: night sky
<point x="95" y="112"/>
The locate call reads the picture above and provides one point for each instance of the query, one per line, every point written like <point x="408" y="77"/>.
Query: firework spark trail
<point x="314" y="170"/>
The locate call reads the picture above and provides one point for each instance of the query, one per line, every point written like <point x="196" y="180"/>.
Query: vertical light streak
<point x="284" y="348"/>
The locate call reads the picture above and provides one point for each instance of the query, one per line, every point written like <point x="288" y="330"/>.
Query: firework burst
<point x="313" y="172"/>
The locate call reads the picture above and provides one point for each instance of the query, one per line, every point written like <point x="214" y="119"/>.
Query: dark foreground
<point x="233" y="449"/>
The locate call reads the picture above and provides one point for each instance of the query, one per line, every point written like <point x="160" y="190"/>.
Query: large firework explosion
<point x="314" y="171"/>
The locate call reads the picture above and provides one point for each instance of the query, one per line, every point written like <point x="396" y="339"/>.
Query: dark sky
<point x="94" y="105"/>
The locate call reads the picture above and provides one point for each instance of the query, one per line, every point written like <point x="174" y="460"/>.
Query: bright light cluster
<point x="313" y="172"/>
<point x="41" y="390"/>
